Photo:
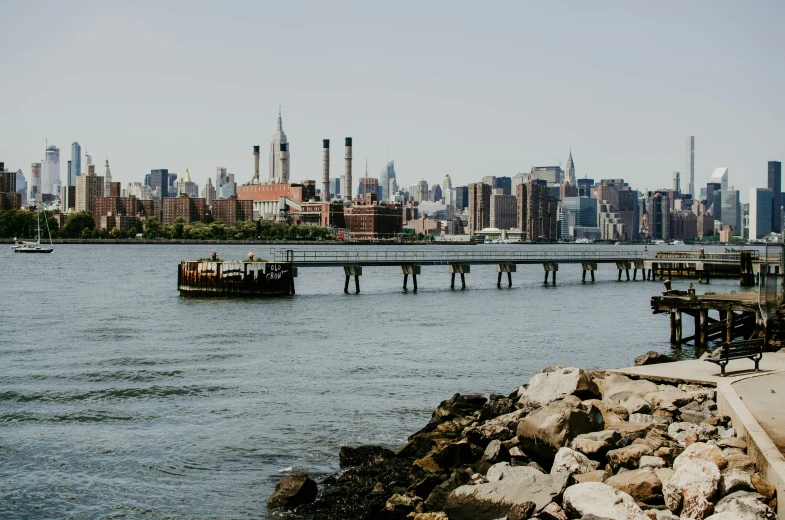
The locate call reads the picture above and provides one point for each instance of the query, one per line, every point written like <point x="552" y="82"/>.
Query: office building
<point x="335" y="185"/>
<point x="461" y="198"/>
<point x="107" y="179"/>
<point x="585" y="187"/>
<point x="549" y="174"/>
<point x="368" y="220"/>
<point x="503" y="210"/>
<point x="225" y="186"/>
<point x="159" y="183"/>
<point x="761" y="211"/>
<point x="689" y="164"/>
<point x="479" y="195"/>
<point x="659" y="216"/>
<point x="50" y="171"/>
<point x="280" y="170"/>
<point x="570" y="173"/>
<point x="731" y="213"/>
<point x="720" y="176"/>
<point x="35" y="180"/>
<point x="447" y="195"/>
<point x="576" y="212"/>
<point x="683" y="225"/>
<point x="775" y="185"/>
<point x="76" y="163"/>
<point x="208" y="192"/>
<point x="676" y="182"/>
<point x="367" y="185"/>
<point x="504" y="183"/>
<point x="187" y="186"/>
<point x="435" y="193"/>
<point x="537" y="212"/>
<point x="138" y="190"/>
<point x="21" y="186"/>
<point x="386" y="176"/>
<point x="88" y="187"/>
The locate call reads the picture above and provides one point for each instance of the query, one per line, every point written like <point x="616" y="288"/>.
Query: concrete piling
<point x="349" y="271"/>
<point x="461" y="269"/>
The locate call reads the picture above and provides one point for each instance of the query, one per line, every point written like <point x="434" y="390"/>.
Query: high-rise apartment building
<point x="689" y="164"/>
<point x="479" y="195"/>
<point x="35" y="180"/>
<point x="279" y="154"/>
<point x="761" y="211"/>
<point x="503" y="210"/>
<point x="232" y="210"/>
<point x="88" y="187"/>
<point x="76" y="163"/>
<point x="185" y="207"/>
<point x="775" y="185"/>
<point x="537" y="212"/>
<point x="50" y="171"/>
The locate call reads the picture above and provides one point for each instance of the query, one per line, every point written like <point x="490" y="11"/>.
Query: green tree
<point x="77" y="223"/>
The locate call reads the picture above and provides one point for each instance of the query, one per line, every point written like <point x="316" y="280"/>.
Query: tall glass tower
<point x="76" y="163"/>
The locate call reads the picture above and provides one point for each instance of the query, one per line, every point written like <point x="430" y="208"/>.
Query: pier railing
<point x="441" y="257"/>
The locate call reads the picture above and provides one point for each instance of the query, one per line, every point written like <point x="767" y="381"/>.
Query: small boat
<point x="34" y="247"/>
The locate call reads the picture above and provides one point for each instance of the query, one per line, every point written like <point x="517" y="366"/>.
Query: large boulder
<point x="628" y="456"/>
<point x="630" y="431"/>
<point x="292" y="491"/>
<point x="546" y="387"/>
<point x="499" y="428"/>
<point x="554" y="426"/>
<point x="572" y="462"/>
<point x="735" y="480"/>
<point x="641" y="484"/>
<point x="616" y="383"/>
<point x="652" y="358"/>
<point x="669" y="400"/>
<point x="596" y="445"/>
<point x="701" y="450"/>
<point x="349" y="456"/>
<point x="600" y="500"/>
<point x="745" y="505"/>
<point x="495" y="499"/>
<point x="455" y="407"/>
<point x="698" y="474"/>
<point x="695" y="505"/>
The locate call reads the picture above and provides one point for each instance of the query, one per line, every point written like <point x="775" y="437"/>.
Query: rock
<point x="554" y="426"/>
<point x="611" y="413"/>
<point x="652" y="358"/>
<point x="742" y="462"/>
<point x="572" y="462"/>
<point x="456" y="454"/>
<point x="651" y="462"/>
<point x="602" y="500"/>
<point x="495" y="452"/>
<point x="616" y="383"/>
<point x="438" y="496"/>
<point x="356" y="456"/>
<point x="495" y="499"/>
<point x="416" y="448"/>
<point x="546" y="387"/>
<point x="552" y="511"/>
<point x="425" y="466"/>
<point x="495" y="407"/>
<point x="699" y="474"/>
<point x="729" y="452"/>
<point x="630" y="431"/>
<point x="402" y="504"/>
<point x="679" y="431"/>
<point x="664" y="515"/>
<point x="431" y="516"/>
<point x="694" y="413"/>
<point x="596" y="444"/>
<point x="504" y="470"/>
<point x="641" y="484"/>
<point x="732" y="442"/>
<point x="745" y="505"/>
<point x="597" y="475"/>
<point x="669" y="400"/>
<point x="628" y="456"/>
<point x="292" y="491"/>
<point x="701" y="450"/>
<point x="378" y="489"/>
<point x="763" y="487"/>
<point x="664" y="474"/>
<point x="656" y="439"/>
<point x="456" y="406"/>
<point x="499" y="428"/>
<point x="522" y="511"/>
<point x="695" y="505"/>
<point x="645" y="418"/>
<point x="735" y="480"/>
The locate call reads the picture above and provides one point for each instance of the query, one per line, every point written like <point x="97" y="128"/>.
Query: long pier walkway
<point x="691" y="264"/>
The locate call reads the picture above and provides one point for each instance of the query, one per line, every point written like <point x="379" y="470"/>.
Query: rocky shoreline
<point x="569" y="444"/>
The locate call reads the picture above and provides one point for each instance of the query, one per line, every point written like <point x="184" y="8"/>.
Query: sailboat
<point x="34" y="247"/>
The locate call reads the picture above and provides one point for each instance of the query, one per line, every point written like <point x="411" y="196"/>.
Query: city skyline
<point x="436" y="102"/>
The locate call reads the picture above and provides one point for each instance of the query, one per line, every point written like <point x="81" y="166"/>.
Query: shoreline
<point x="569" y="444"/>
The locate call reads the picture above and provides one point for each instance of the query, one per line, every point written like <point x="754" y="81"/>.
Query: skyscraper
<point x="107" y="179"/>
<point x="676" y="182"/>
<point x="720" y="176"/>
<point x="447" y="190"/>
<point x="775" y="185"/>
<point x="76" y="163"/>
<point x="50" y="172"/>
<point x="279" y="138"/>
<point x="208" y="192"/>
<point x="160" y="179"/>
<point x="761" y="212"/>
<point x="35" y="180"/>
<point x="479" y="206"/>
<point x="689" y="164"/>
<point x="570" y="173"/>
<point x="387" y="175"/>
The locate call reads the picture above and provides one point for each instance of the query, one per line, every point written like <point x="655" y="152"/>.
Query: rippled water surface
<point x="118" y="398"/>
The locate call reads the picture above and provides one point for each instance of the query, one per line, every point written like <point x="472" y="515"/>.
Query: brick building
<point x="232" y="210"/>
<point x="185" y="207"/>
<point x="479" y="206"/>
<point x="325" y="214"/>
<point x="373" y="221"/>
<point x="537" y="211"/>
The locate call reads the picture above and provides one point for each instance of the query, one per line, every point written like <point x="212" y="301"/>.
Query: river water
<point x="119" y="399"/>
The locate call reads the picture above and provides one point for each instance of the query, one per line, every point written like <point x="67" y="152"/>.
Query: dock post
<point x="554" y="278"/>
<point x="346" y="285"/>
<point x="552" y="267"/>
<point x="509" y="279"/>
<point x="452" y="281"/>
<point x="583" y="278"/>
<point x="350" y="271"/>
<point x="505" y="268"/>
<point x="414" y="281"/>
<point x="405" y="281"/>
<point x="697" y="341"/>
<point x="546" y="277"/>
<point x="463" y="281"/>
<point x="678" y="328"/>
<point x="628" y="274"/>
<point x="357" y="284"/>
<point x="592" y="275"/>
<point x="499" y="280"/>
<point x="619" y="278"/>
<point x="704" y="319"/>
<point x="410" y="269"/>
<point x="673" y="327"/>
<point x="729" y="325"/>
<point x="461" y="269"/>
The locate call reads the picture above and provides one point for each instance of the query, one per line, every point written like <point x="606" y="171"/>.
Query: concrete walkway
<point x="764" y="397"/>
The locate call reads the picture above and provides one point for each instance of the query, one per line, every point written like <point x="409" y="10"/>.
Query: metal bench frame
<point x="750" y="349"/>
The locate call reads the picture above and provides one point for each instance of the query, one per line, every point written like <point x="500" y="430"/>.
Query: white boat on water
<point x="34" y="247"/>
<point x="584" y="241"/>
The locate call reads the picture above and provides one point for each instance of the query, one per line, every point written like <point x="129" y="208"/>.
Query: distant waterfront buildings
<point x="187" y="186"/>
<point x="549" y="174"/>
<point x="720" y="176"/>
<point x="386" y="179"/>
<point x="76" y="163"/>
<point x="107" y="179"/>
<point x="138" y="190"/>
<point x="88" y="188"/>
<point x="278" y="175"/>
<point x="225" y="186"/>
<point x="35" y="180"/>
<point x="761" y="211"/>
<point x="537" y="212"/>
<point x="447" y="192"/>
<point x="570" y="170"/>
<point x="775" y="185"/>
<point x="159" y="183"/>
<point x="731" y="210"/>
<point x="208" y="192"/>
<point x="461" y="198"/>
<point x="503" y="210"/>
<point x="479" y="195"/>
<point x="21" y="186"/>
<point x="50" y="171"/>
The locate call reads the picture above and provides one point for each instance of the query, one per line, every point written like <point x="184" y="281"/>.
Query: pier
<point x="688" y="264"/>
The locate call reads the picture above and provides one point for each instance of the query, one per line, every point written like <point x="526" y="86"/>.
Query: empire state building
<point x="279" y="138"/>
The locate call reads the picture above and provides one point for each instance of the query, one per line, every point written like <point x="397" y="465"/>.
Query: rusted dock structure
<point x="251" y="278"/>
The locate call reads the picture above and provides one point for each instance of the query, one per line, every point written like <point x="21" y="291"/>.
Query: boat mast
<point x="39" y="226"/>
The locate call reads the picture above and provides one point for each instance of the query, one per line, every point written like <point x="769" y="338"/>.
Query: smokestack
<point x="284" y="155"/>
<point x="256" y="164"/>
<point x="347" y="174"/>
<point x="325" y="170"/>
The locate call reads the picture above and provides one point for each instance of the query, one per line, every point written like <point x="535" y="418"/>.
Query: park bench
<point x="752" y="349"/>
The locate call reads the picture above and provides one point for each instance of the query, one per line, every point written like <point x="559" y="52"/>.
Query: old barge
<point x="241" y="278"/>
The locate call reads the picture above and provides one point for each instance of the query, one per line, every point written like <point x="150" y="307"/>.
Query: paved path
<point x="764" y="397"/>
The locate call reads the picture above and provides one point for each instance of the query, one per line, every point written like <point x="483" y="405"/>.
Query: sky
<point x="461" y="88"/>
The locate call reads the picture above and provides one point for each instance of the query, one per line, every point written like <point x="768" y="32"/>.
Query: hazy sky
<point x="465" y="88"/>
